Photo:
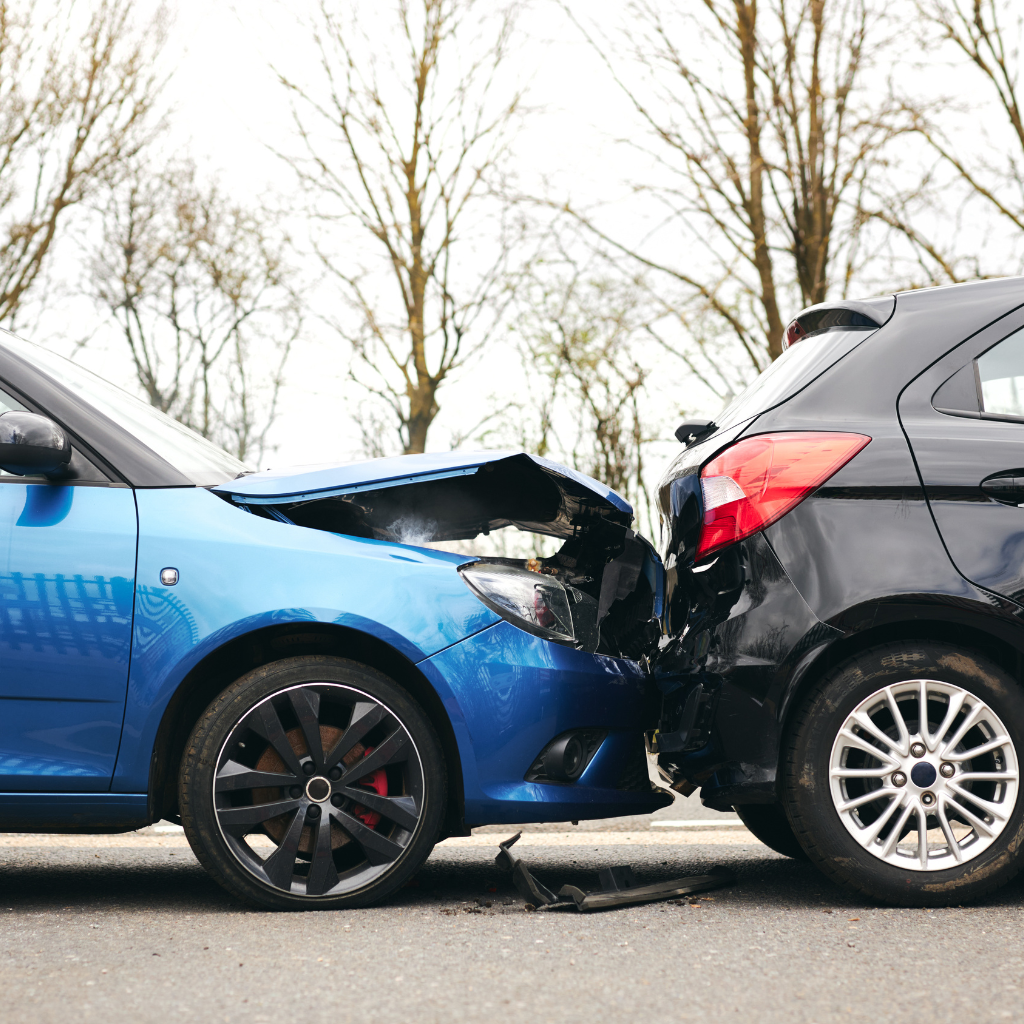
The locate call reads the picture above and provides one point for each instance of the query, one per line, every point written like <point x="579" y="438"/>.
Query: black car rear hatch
<point x="816" y="340"/>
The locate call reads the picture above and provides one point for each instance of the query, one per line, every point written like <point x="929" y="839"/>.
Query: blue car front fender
<point x="238" y="573"/>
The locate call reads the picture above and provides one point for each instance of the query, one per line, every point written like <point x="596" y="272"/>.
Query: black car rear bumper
<point x="749" y="633"/>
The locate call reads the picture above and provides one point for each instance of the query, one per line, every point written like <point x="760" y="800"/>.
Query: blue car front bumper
<point x="508" y="693"/>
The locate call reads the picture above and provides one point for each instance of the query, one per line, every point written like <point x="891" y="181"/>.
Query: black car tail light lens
<point x="537" y="603"/>
<point x="756" y="481"/>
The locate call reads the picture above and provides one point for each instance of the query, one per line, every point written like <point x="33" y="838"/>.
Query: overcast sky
<point x="229" y="111"/>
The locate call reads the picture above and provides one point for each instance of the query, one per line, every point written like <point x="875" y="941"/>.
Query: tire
<point x="956" y="781"/>
<point x="313" y="783"/>
<point x="769" y="823"/>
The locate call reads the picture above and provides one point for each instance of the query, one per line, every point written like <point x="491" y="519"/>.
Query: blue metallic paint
<point x="66" y="582"/>
<point x="508" y="693"/>
<point x="95" y="650"/>
<point x="68" y="626"/>
<point x="239" y="573"/>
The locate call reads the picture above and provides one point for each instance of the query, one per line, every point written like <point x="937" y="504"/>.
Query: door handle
<point x="1006" y="486"/>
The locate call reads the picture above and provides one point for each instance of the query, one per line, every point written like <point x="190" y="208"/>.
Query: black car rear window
<point x="834" y="335"/>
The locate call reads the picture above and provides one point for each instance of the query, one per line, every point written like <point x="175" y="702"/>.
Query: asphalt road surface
<point x="129" y="928"/>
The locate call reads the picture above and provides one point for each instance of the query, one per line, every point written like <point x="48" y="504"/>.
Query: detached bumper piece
<point x="619" y="886"/>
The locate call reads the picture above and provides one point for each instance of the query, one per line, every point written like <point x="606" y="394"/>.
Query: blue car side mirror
<point x="32" y="444"/>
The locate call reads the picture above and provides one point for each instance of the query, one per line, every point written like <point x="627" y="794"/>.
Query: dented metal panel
<point x="297" y="485"/>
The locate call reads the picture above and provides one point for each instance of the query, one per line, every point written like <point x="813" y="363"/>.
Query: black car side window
<point x="1001" y="377"/>
<point x="990" y="386"/>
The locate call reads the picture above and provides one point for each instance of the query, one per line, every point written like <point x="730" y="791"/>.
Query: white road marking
<point x="700" y="823"/>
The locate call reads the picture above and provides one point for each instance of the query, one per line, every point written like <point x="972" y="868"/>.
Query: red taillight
<point x="794" y="333"/>
<point x="758" y="480"/>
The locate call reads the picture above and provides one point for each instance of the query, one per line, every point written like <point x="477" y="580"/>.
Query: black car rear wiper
<point x="691" y="433"/>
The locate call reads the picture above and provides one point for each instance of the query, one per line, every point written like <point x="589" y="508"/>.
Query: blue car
<point x="288" y="662"/>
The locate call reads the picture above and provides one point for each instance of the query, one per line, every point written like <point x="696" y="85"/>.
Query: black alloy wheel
<point x="312" y="783"/>
<point x="902" y="774"/>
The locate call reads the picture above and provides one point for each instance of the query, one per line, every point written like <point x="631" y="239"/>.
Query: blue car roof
<point x="302" y="483"/>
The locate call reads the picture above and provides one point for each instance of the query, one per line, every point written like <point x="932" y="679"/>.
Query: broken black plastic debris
<point x="528" y="887"/>
<point x="619" y="886"/>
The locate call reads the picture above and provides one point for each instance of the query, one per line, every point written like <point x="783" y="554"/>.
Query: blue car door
<point x="67" y="579"/>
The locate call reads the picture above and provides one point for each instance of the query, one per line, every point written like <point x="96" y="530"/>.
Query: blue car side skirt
<point x="73" y="812"/>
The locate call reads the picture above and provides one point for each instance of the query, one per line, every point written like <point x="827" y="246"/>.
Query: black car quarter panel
<point x="866" y="539"/>
<point x="971" y="459"/>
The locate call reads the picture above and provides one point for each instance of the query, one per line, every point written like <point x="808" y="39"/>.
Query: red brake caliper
<point x="378" y="781"/>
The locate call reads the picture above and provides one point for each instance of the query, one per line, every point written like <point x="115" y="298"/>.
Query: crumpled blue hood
<point x="509" y="481"/>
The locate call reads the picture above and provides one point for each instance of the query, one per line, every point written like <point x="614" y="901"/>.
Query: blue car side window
<point x="67" y="580"/>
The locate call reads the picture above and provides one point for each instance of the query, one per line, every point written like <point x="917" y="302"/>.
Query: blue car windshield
<point x="203" y="462"/>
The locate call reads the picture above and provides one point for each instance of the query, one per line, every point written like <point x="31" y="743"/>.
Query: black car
<point x="844" y="629"/>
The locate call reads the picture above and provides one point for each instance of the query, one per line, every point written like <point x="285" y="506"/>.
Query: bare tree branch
<point x="402" y="151"/>
<point x="77" y="95"/>
<point x="988" y="34"/>
<point x="203" y="299"/>
<point x="761" y="130"/>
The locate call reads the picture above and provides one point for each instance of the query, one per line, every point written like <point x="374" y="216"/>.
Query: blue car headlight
<point x="539" y="604"/>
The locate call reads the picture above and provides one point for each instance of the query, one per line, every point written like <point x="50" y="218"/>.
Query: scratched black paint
<point x="901" y="543"/>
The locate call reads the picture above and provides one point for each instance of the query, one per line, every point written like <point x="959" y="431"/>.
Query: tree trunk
<point x="746" y="30"/>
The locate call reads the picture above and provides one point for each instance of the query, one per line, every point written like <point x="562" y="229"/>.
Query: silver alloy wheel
<point x="294" y="796"/>
<point x="923" y="775"/>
